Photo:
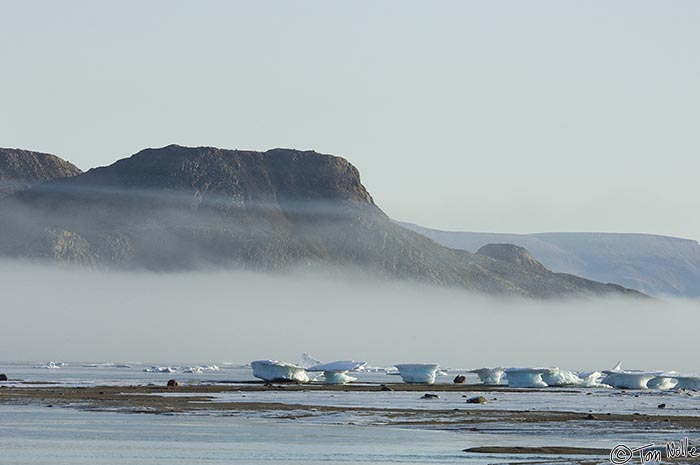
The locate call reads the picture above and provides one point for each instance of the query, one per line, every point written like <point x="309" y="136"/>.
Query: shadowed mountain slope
<point x="20" y="169"/>
<point x="181" y="208"/>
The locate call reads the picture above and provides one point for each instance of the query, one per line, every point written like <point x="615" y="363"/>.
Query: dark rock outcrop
<point x="20" y="169"/>
<point x="513" y="254"/>
<point x="182" y="208"/>
<point x="173" y="383"/>
<point x="3" y="377"/>
<point x="460" y="379"/>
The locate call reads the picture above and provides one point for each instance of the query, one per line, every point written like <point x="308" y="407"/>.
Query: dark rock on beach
<point x="173" y="383"/>
<point x="477" y="400"/>
<point x="3" y="377"/>
<point x="460" y="379"/>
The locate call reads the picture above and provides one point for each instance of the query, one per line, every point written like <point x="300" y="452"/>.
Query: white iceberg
<point x="418" y="373"/>
<point x="629" y="379"/>
<point x="274" y="370"/>
<point x="307" y="361"/>
<point x="664" y="381"/>
<point x="557" y="377"/>
<point x="636" y="379"/>
<point x="106" y="365"/>
<point x="199" y="369"/>
<point x="689" y="383"/>
<point x="52" y="365"/>
<point x="195" y="370"/>
<point x="489" y="375"/>
<point x="336" y="372"/>
<point x="526" y="377"/>
<point x="590" y="379"/>
<point x="159" y="369"/>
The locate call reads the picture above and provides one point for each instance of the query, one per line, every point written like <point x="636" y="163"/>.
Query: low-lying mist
<point x="52" y="312"/>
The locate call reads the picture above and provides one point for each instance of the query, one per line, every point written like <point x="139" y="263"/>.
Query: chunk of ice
<point x="526" y="377"/>
<point x="690" y="383"/>
<point x="418" y="373"/>
<point x="335" y="372"/>
<point x="629" y="379"/>
<point x="557" y="377"/>
<point x="489" y="375"/>
<point x="274" y="370"/>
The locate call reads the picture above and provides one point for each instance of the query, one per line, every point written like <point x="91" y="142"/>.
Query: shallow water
<point x="31" y="434"/>
<point x="41" y="435"/>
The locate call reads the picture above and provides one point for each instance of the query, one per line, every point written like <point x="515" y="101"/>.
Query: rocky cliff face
<point x="180" y="208"/>
<point x="20" y="169"/>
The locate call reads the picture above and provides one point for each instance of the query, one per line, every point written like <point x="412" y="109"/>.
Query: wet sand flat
<point x="200" y="399"/>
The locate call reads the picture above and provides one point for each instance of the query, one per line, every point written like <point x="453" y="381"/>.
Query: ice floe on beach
<point x="274" y="370"/>
<point x="336" y="372"/>
<point x="638" y="379"/>
<point x="489" y="376"/>
<point x="558" y="377"/>
<point x="526" y="377"/>
<point x="417" y="373"/>
<point x="687" y="382"/>
<point x="590" y="379"/>
<point x="641" y="380"/>
<point x="186" y="369"/>
<point x="307" y="361"/>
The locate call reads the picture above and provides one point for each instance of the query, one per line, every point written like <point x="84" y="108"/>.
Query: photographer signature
<point x="622" y="454"/>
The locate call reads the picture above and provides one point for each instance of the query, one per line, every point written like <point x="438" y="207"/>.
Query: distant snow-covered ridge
<point x="656" y="265"/>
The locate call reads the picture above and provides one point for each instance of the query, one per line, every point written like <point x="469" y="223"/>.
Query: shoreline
<point x="200" y="398"/>
<point x="469" y="419"/>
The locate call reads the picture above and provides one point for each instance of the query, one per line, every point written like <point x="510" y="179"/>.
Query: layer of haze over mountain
<point x="179" y="208"/>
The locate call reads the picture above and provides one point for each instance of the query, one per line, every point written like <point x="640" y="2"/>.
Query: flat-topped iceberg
<point x="417" y="373"/>
<point x="526" y="377"/>
<point x="274" y="370"/>
<point x="637" y="379"/>
<point x="489" y="375"/>
<point x="336" y="372"/>
<point x="629" y="379"/>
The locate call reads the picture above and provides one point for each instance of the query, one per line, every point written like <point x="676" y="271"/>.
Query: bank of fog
<point x="53" y="312"/>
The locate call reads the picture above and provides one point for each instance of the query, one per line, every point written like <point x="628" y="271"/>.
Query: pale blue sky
<point x="519" y="116"/>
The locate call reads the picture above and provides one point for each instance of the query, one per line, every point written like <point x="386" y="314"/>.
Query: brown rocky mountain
<point x="20" y="169"/>
<point x="182" y="208"/>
